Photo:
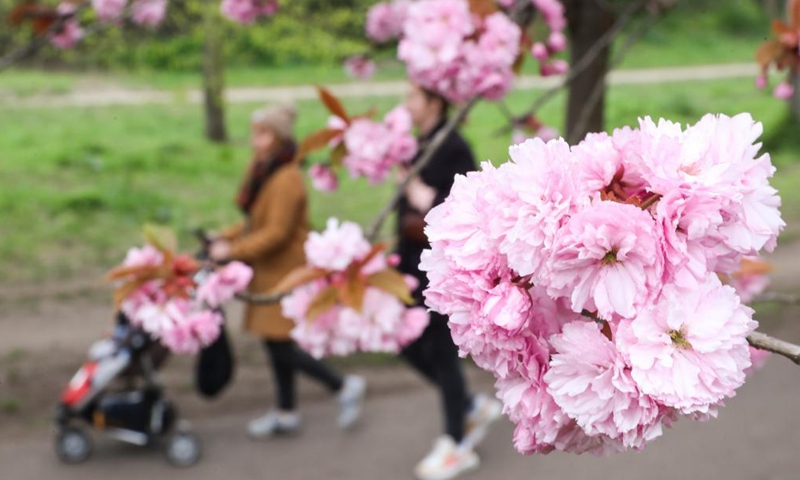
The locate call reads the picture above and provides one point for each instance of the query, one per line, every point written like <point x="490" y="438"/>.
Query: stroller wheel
<point x="73" y="445"/>
<point x="183" y="449"/>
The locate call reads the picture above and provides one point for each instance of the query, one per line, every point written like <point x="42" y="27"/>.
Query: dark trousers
<point x="288" y="359"/>
<point x="435" y="356"/>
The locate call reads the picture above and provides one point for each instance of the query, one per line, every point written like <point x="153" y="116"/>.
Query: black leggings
<point x="436" y="356"/>
<point x="286" y="359"/>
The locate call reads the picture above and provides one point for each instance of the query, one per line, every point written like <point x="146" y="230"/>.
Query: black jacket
<point x="452" y="158"/>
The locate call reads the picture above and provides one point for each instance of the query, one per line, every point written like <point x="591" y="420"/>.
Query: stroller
<point x="117" y="391"/>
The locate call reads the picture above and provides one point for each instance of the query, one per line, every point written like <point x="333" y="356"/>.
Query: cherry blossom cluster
<point x="585" y="278"/>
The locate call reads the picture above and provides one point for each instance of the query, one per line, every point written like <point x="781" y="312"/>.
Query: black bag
<point x="214" y="369"/>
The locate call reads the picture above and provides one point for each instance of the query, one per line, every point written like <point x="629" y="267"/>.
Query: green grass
<point x="76" y="184"/>
<point x="690" y="35"/>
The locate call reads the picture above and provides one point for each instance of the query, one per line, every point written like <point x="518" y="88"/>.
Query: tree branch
<point x="586" y="60"/>
<point x="762" y="341"/>
<point x="39" y="41"/>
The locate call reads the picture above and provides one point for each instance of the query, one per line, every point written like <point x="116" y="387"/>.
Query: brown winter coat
<point x="271" y="241"/>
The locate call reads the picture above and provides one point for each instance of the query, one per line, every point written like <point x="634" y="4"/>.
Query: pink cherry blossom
<point x="337" y="247"/>
<point x="70" y="32"/>
<point x="323" y="178"/>
<point x="148" y="12"/>
<point x="109" y="10"/>
<point x="448" y="50"/>
<point x="360" y="67"/>
<point x="607" y="258"/>
<point x="541" y="196"/>
<point x="373" y="148"/>
<point x="689" y="349"/>
<point x="783" y="91"/>
<point x="557" y="41"/>
<point x="761" y="82"/>
<point x="540" y="52"/>
<point x="247" y="12"/>
<point x="222" y="284"/>
<point x="383" y="324"/>
<point x="590" y="381"/>
<point x="385" y="20"/>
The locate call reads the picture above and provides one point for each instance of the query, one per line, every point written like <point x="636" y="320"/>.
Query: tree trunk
<point x="214" y="74"/>
<point x="588" y="20"/>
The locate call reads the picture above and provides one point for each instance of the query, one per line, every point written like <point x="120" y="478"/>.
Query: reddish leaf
<point x="793" y="13"/>
<point x="138" y="271"/>
<point x="769" y="52"/>
<point x="121" y="293"/>
<point x="483" y="8"/>
<point x="391" y="281"/>
<point x="324" y="300"/>
<point x="298" y="276"/>
<point x="779" y="27"/>
<point x="333" y="104"/>
<point x="753" y="267"/>
<point x="315" y="141"/>
<point x="376" y="249"/>
<point x="352" y="294"/>
<point x="30" y="10"/>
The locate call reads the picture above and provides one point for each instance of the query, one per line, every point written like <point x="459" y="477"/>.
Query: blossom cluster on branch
<point x="585" y="278"/>
<point x="349" y="298"/>
<point x="782" y="52"/>
<point x="173" y="298"/>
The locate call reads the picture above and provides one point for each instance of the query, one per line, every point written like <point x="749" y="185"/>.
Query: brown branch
<point x="763" y="341"/>
<point x="599" y="87"/>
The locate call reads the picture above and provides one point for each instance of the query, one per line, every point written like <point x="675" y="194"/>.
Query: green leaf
<point x="161" y="237"/>
<point x="391" y="281"/>
<point x="324" y="300"/>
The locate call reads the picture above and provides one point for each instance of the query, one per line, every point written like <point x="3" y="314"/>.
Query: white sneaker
<point x="485" y="411"/>
<point x="274" y="423"/>
<point x="446" y="461"/>
<point x="351" y="399"/>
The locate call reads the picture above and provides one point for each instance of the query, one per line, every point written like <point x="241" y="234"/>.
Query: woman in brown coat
<point x="275" y="204"/>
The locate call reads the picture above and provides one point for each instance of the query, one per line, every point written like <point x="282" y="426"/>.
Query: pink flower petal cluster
<point x="585" y="278"/>
<point x="372" y="148"/>
<point x="360" y="67"/>
<point x="70" y="32"/>
<point x="183" y="325"/>
<point x="247" y="12"/>
<point x="456" y="54"/>
<point x="383" y="324"/>
<point x="109" y="10"/>
<point x="222" y="284"/>
<point x="149" y="13"/>
<point x="385" y="20"/>
<point x="553" y="13"/>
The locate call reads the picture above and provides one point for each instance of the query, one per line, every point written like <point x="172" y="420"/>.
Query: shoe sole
<point x="469" y="468"/>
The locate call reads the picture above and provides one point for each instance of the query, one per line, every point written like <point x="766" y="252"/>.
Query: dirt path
<point x="105" y="96"/>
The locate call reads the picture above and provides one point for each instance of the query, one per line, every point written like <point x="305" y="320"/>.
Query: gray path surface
<point x="106" y="96"/>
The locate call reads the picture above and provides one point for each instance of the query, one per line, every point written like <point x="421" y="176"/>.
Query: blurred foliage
<point x="304" y="31"/>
